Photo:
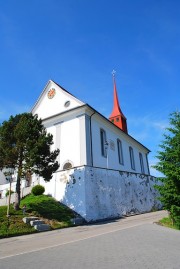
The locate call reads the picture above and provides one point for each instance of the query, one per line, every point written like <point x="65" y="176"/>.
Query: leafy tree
<point x="25" y="145"/>
<point x="169" y="165"/>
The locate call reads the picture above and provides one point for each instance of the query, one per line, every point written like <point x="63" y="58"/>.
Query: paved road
<point x="133" y="242"/>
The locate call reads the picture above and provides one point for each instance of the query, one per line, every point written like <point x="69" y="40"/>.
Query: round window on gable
<point x="67" y="103"/>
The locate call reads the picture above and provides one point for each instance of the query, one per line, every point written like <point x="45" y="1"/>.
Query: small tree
<point x="25" y="145"/>
<point x="169" y="165"/>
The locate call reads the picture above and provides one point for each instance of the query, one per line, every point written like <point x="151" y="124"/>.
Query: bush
<point x="175" y="215"/>
<point x="7" y="193"/>
<point x="38" y="190"/>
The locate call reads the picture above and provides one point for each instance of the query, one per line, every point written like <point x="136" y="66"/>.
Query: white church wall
<point x="111" y="193"/>
<point x="47" y="107"/>
<point x="5" y="187"/>
<point x="113" y="161"/>
<point x="71" y="134"/>
<point x="70" y="143"/>
<point x="96" y="193"/>
<point x="49" y="186"/>
<point x="68" y="187"/>
<point x="66" y="137"/>
<point x="85" y="139"/>
<point x="2" y="178"/>
<point x="74" y="196"/>
<point x="52" y="130"/>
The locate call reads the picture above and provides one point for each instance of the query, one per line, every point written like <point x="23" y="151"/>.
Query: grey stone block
<point x="36" y="222"/>
<point x="28" y="219"/>
<point x="77" y="221"/>
<point x="42" y="227"/>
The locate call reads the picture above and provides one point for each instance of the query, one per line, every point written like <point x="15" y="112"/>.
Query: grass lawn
<point x="45" y="207"/>
<point x="168" y="223"/>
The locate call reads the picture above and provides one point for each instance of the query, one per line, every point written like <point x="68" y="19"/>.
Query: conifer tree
<point x="26" y="146"/>
<point x="169" y="165"/>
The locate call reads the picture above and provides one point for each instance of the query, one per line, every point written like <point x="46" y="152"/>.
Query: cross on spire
<point x="113" y="73"/>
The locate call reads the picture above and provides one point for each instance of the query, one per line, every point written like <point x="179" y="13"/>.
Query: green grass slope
<point x="45" y="207"/>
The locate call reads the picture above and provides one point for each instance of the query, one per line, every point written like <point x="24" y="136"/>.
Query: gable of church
<point x="54" y="100"/>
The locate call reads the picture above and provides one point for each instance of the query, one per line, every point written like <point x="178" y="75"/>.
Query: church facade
<point x="104" y="172"/>
<point x="85" y="137"/>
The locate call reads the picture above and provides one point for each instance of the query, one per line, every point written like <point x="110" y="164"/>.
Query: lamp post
<point x="106" y="144"/>
<point x="8" y="174"/>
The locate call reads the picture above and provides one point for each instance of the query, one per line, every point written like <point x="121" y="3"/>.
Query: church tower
<point x="117" y="117"/>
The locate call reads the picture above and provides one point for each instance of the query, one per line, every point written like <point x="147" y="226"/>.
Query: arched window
<point x="141" y="163"/>
<point x="120" y="152"/>
<point x="131" y="153"/>
<point x="103" y="143"/>
<point x="67" y="165"/>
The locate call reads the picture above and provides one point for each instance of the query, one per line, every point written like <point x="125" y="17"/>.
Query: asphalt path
<point x="132" y="242"/>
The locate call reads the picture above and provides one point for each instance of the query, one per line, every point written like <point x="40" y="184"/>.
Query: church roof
<point x="117" y="117"/>
<point x="116" y="107"/>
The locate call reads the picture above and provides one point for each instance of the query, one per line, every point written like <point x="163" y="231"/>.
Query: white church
<point x="104" y="172"/>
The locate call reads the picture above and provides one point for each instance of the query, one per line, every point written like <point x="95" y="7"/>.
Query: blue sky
<point x="78" y="43"/>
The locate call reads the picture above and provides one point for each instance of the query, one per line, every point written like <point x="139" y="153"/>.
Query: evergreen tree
<point x="169" y="165"/>
<point x="25" y="145"/>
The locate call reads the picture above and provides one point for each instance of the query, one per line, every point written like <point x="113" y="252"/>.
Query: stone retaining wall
<point x="97" y="193"/>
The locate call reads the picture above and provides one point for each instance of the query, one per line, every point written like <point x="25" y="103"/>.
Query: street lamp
<point x="9" y="171"/>
<point x="106" y="144"/>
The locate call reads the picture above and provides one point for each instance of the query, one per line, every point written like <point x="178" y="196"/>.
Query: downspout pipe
<point x="92" y="161"/>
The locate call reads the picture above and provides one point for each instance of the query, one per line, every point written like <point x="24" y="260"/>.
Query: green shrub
<point x="175" y="215"/>
<point x="7" y="193"/>
<point x="38" y="190"/>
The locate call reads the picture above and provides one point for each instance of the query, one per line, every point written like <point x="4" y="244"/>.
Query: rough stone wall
<point x="74" y="192"/>
<point x="112" y="193"/>
<point x="97" y="193"/>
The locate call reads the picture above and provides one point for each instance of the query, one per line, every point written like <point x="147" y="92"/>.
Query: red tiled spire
<point x="117" y="117"/>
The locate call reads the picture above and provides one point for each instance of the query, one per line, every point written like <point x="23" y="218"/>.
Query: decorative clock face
<point x="51" y="93"/>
